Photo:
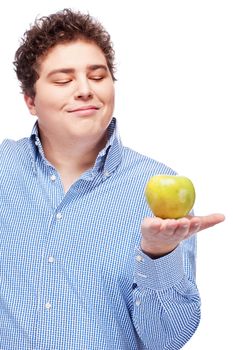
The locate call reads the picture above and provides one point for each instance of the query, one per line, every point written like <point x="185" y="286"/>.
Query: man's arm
<point x="166" y="309"/>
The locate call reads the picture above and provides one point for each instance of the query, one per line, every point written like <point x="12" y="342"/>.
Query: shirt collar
<point x="107" y="160"/>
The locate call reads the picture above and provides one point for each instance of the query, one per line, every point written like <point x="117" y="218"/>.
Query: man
<point x="84" y="264"/>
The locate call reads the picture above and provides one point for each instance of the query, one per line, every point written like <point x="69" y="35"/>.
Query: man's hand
<point x="160" y="237"/>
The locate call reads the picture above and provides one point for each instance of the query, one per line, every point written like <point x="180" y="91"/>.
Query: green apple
<point x="170" y="196"/>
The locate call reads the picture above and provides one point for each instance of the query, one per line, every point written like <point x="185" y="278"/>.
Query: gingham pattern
<point x="72" y="273"/>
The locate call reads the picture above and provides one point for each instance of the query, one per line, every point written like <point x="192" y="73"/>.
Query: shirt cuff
<point x="161" y="273"/>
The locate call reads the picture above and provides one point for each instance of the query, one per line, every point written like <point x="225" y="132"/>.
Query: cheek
<point x="47" y="100"/>
<point x="44" y="108"/>
<point x="110" y="97"/>
<point x="105" y="92"/>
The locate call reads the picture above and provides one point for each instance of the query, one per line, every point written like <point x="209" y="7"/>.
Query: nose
<point x="83" y="89"/>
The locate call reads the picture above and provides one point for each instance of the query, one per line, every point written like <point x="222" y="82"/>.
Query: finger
<point x="183" y="228"/>
<point x="205" y="222"/>
<point x="158" y="225"/>
<point x="168" y="227"/>
<point x="195" y="225"/>
<point x="152" y="224"/>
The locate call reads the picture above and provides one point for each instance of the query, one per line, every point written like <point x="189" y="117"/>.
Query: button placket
<point x="51" y="260"/>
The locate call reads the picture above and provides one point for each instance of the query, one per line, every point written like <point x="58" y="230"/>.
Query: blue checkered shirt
<point x="72" y="274"/>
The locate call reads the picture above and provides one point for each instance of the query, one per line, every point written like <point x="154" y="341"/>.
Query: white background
<point x="175" y="82"/>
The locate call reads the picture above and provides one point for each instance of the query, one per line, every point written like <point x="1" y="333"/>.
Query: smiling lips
<point x="84" y="111"/>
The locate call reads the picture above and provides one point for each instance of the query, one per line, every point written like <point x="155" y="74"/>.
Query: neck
<point x="72" y="159"/>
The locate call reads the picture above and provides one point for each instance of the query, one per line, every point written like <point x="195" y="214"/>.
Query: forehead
<point x="77" y="54"/>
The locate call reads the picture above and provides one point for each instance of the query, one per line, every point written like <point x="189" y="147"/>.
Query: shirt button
<point x="139" y="258"/>
<point x="51" y="259"/>
<point x="59" y="216"/>
<point x="137" y="302"/>
<point x="106" y="173"/>
<point x="48" y="306"/>
<point x="53" y="177"/>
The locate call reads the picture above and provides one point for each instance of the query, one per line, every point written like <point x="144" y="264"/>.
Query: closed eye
<point x="97" y="78"/>
<point x="62" y="82"/>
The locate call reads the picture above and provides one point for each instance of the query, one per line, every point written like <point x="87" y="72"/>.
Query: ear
<point x="30" y="102"/>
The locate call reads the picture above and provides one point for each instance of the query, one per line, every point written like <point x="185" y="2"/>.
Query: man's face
<point x="74" y="95"/>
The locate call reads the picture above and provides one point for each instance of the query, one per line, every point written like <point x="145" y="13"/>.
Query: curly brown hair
<point x="48" y="31"/>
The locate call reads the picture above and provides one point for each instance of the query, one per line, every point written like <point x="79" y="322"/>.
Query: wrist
<point x="156" y="252"/>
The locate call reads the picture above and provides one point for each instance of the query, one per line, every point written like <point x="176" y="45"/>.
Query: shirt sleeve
<point x="166" y="308"/>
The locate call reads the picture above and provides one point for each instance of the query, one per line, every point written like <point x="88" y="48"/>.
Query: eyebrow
<point x="91" y="67"/>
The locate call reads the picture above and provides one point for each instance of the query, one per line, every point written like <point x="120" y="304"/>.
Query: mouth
<point x="84" y="110"/>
